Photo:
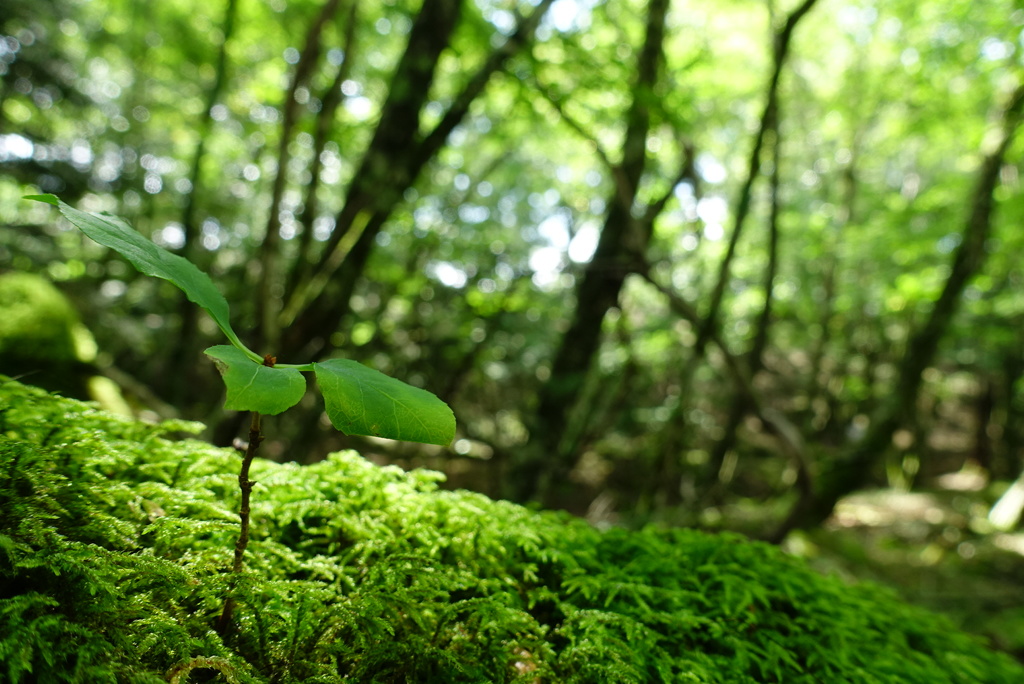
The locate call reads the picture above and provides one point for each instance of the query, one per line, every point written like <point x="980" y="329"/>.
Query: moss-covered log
<point x="115" y="543"/>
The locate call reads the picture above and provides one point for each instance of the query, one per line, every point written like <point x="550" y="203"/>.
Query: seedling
<point x="359" y="400"/>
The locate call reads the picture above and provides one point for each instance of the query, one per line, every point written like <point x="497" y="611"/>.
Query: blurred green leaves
<point x="360" y="400"/>
<point x="152" y="259"/>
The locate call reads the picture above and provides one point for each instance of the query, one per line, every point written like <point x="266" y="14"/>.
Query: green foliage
<point x="881" y="113"/>
<point x="253" y="386"/>
<point x="114" y="540"/>
<point x="360" y="401"/>
<point x="151" y="259"/>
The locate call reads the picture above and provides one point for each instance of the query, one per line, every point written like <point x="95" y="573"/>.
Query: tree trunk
<point x="677" y="433"/>
<point x="853" y="469"/>
<point x="755" y="356"/>
<point x="768" y="124"/>
<point x="385" y="172"/>
<point x="391" y="164"/>
<point x="267" y="301"/>
<point x="331" y="98"/>
<point x="545" y="462"/>
<point x="185" y="376"/>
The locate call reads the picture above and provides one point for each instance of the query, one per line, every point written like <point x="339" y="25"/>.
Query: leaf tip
<point x="47" y="198"/>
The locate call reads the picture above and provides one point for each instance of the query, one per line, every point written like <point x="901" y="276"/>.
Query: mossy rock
<point x="114" y="543"/>
<point x="38" y="320"/>
<point x="43" y="342"/>
<point x="42" y="336"/>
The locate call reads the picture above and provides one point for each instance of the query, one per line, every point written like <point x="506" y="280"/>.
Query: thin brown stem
<point x="245" y="485"/>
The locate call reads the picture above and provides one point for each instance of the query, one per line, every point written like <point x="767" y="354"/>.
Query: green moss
<point x="39" y="321"/>
<point x="114" y="544"/>
<point x="42" y="338"/>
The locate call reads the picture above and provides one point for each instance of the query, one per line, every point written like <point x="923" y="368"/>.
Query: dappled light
<point x="741" y="268"/>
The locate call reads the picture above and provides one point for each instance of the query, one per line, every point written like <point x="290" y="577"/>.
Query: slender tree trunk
<point x="270" y="283"/>
<point x="853" y="469"/>
<point x="678" y="432"/>
<point x="755" y="355"/>
<point x="331" y="98"/>
<point x="1012" y="421"/>
<point x="818" y="377"/>
<point x="187" y="347"/>
<point x="768" y="118"/>
<point x="984" y="406"/>
<point x="391" y="164"/>
<point x="547" y="460"/>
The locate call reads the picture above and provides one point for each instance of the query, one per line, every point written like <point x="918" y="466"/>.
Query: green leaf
<point x="362" y="401"/>
<point x="253" y="386"/>
<point x="151" y="259"/>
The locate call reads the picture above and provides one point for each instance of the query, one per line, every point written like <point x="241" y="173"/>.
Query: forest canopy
<point x="713" y="264"/>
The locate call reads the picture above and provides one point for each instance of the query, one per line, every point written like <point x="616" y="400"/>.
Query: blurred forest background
<point x="736" y="265"/>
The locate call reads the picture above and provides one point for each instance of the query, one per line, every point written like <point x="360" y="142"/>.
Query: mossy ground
<point x="114" y="542"/>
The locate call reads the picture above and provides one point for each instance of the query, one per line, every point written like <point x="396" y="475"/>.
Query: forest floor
<point x="936" y="548"/>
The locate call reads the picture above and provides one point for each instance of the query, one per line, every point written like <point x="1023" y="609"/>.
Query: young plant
<point x="359" y="400"/>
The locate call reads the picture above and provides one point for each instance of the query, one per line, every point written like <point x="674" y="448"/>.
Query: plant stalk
<point x="245" y="485"/>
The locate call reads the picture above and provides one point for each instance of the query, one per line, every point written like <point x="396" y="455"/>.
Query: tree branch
<point x="769" y="122"/>
<point x="267" y="304"/>
<point x="790" y="441"/>
<point x="853" y="468"/>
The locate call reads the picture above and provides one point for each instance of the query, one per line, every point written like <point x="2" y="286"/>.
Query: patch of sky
<point x="710" y="169"/>
<point x="171" y="236"/>
<point x="473" y="213"/>
<point x="567" y="16"/>
<point x="713" y="211"/>
<point x="447" y="273"/>
<point x="14" y="146"/>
